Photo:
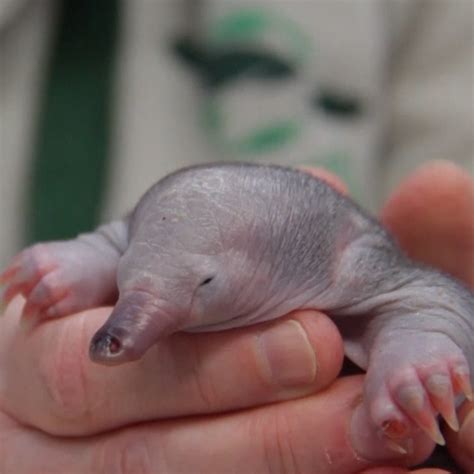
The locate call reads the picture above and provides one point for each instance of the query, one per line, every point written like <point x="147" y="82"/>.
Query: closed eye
<point x="206" y="281"/>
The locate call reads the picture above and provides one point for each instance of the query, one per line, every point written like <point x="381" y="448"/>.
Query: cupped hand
<point x="258" y="399"/>
<point x="195" y="403"/>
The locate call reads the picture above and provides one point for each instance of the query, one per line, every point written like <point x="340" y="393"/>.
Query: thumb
<point x="436" y="201"/>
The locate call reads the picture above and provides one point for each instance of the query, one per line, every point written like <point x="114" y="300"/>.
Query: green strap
<point x="70" y="162"/>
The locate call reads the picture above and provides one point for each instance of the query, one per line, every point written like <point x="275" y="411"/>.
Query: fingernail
<point x="370" y="444"/>
<point x="287" y="357"/>
<point x="466" y="435"/>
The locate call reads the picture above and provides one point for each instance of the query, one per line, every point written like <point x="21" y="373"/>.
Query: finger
<point x="305" y="435"/>
<point x="27" y="451"/>
<point x="185" y="374"/>
<point x="461" y="444"/>
<point x="437" y="200"/>
<point x="327" y="176"/>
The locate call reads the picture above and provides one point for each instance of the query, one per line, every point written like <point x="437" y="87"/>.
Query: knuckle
<point x="278" y="449"/>
<point x="124" y="454"/>
<point x="205" y="389"/>
<point x="62" y="370"/>
<point x="205" y="395"/>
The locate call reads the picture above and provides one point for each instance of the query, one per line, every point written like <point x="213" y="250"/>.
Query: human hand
<point x="49" y="389"/>
<point x="431" y="215"/>
<point x="199" y="374"/>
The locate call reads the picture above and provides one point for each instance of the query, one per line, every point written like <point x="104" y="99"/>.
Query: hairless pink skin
<point x="222" y="246"/>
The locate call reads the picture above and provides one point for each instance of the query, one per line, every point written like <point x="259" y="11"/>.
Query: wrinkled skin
<point x="225" y="246"/>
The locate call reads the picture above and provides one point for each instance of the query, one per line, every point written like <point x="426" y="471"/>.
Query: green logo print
<point x="254" y="27"/>
<point x="240" y="55"/>
<point x="255" y="68"/>
<point x="273" y="50"/>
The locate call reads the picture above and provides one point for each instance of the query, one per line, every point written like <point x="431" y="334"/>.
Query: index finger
<point x="186" y="374"/>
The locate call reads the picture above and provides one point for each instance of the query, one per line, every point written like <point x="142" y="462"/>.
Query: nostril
<point x="105" y="345"/>
<point x="114" y="344"/>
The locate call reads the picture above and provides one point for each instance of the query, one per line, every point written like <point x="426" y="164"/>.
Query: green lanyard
<point x="71" y="152"/>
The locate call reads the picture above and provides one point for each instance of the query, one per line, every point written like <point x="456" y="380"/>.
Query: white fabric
<point x="25" y="28"/>
<point x="410" y="60"/>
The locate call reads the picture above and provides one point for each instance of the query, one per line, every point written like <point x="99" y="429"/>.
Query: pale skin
<point x="70" y="393"/>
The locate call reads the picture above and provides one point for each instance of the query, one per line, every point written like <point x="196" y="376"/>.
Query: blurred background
<point x="100" y="98"/>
